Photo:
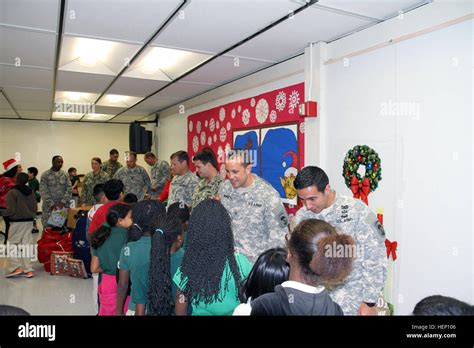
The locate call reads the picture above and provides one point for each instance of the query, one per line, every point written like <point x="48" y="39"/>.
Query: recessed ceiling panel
<point x="20" y="47"/>
<point x="38" y="14"/>
<point x="135" y="87"/>
<point x="293" y="35"/>
<point x="13" y="76"/>
<point x="133" y="21"/>
<point x="212" y="26"/>
<point x="223" y="69"/>
<point x="90" y="83"/>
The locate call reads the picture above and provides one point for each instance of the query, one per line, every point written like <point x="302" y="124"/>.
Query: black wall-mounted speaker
<point x="140" y="140"/>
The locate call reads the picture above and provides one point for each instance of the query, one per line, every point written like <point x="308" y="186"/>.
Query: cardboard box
<point x="71" y="220"/>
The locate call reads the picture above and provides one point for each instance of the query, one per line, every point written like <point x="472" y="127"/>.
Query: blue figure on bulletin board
<point x="279" y="160"/>
<point x="248" y="140"/>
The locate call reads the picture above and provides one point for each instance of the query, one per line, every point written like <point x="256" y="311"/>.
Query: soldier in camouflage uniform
<point x="184" y="182"/>
<point x="112" y="165"/>
<point x="211" y="181"/>
<point x="259" y="219"/>
<point x="160" y="173"/>
<point x="55" y="189"/>
<point x="135" y="179"/>
<point x="97" y="176"/>
<point x="359" y="293"/>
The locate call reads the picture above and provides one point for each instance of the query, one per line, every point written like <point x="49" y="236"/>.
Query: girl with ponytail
<point x="135" y="257"/>
<point x="318" y="256"/>
<point x="165" y="258"/>
<point x="107" y="242"/>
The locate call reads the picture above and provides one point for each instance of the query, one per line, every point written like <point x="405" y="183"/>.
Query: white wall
<point x="77" y="143"/>
<point x="426" y="191"/>
<point x="173" y="125"/>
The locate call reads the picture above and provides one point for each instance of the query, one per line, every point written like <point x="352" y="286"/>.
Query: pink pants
<point x="107" y="291"/>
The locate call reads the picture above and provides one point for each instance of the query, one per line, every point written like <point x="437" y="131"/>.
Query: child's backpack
<point x="80" y="243"/>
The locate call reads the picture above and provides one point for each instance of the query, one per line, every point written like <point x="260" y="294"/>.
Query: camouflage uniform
<point x="205" y="189"/>
<point x="259" y="219"/>
<point x="366" y="281"/>
<point x="182" y="188"/>
<point x="87" y="193"/>
<point x="111" y="168"/>
<point x="55" y="188"/>
<point x="160" y="172"/>
<point x="134" y="180"/>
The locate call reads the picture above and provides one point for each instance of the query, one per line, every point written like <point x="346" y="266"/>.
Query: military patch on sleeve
<point x="379" y="227"/>
<point x="374" y="223"/>
<point x="281" y="216"/>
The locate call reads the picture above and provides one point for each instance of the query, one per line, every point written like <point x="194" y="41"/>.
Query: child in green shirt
<point x="211" y="272"/>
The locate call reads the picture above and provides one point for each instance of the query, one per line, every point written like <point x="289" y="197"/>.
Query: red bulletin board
<point x="214" y="128"/>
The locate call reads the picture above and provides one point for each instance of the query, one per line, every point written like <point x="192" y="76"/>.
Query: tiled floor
<point x="45" y="294"/>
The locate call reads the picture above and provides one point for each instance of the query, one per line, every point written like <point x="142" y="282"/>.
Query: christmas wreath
<point x="366" y="156"/>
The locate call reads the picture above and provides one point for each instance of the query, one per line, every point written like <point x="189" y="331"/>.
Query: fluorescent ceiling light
<point x="116" y="100"/>
<point x="75" y="97"/>
<point x="70" y="116"/>
<point x="95" y="56"/>
<point x="164" y="64"/>
<point x="97" y="117"/>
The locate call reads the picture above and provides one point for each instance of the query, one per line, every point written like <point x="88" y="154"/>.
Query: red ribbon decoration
<point x="361" y="190"/>
<point x="391" y="249"/>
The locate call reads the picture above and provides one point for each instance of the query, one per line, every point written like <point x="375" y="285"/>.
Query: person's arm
<point x="85" y="190"/>
<point x="181" y="305"/>
<point x="374" y="263"/>
<point x="146" y="181"/>
<point x="67" y="193"/>
<point x="122" y="288"/>
<point x="276" y="220"/>
<point x="140" y="309"/>
<point x="95" y="265"/>
<point x="11" y="205"/>
<point x="162" y="175"/>
<point x="45" y="194"/>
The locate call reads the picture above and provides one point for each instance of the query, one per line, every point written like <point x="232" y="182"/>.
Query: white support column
<point x="315" y="56"/>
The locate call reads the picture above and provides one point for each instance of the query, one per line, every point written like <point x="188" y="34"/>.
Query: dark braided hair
<point x="166" y="229"/>
<point x="210" y="248"/>
<point x="143" y="214"/>
<point x="116" y="212"/>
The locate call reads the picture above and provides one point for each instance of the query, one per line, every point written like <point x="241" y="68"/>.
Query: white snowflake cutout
<point x="294" y="101"/>
<point x="209" y="141"/>
<point x="223" y="134"/>
<point x="217" y="125"/>
<point x="198" y="127"/>
<point x="205" y="124"/>
<point x="227" y="148"/>
<point x="261" y="111"/>
<point x="280" y="101"/>
<point x="215" y="137"/>
<point x="222" y="114"/>
<point x="203" y="138"/>
<point x="195" y="143"/>
<point x="212" y="125"/>
<point x="246" y="116"/>
<point x="220" y="151"/>
<point x="232" y="114"/>
<point x="239" y="108"/>
<point x="273" y="116"/>
<point x="190" y="126"/>
<point x="302" y="127"/>
<point x="252" y="102"/>
<point x="228" y="126"/>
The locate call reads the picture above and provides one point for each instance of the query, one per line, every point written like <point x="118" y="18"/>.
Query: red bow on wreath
<point x="391" y="249"/>
<point x="361" y="189"/>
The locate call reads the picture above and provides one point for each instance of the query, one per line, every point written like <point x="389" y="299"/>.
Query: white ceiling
<point x="33" y="78"/>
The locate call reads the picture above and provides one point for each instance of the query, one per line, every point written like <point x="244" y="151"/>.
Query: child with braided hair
<point x="211" y="271"/>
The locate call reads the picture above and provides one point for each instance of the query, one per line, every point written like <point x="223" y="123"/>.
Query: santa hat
<point x="10" y="164"/>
